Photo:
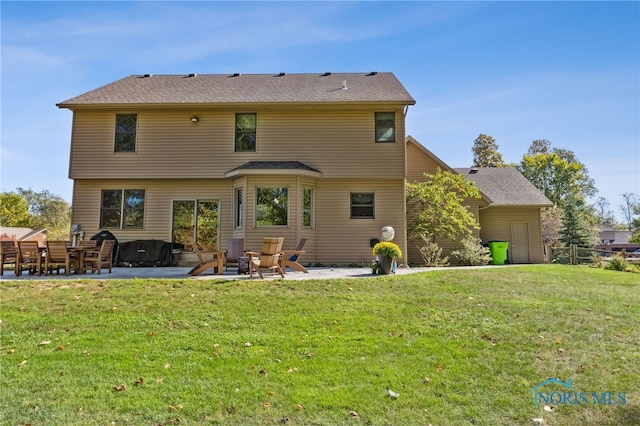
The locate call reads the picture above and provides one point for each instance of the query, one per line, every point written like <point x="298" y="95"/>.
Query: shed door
<point x="519" y="243"/>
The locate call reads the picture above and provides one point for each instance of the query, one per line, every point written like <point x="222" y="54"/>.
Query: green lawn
<point x="462" y="346"/>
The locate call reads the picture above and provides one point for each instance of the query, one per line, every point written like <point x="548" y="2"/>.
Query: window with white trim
<point x="272" y="207"/>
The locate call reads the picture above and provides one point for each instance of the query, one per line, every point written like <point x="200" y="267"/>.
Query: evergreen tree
<point x="575" y="229"/>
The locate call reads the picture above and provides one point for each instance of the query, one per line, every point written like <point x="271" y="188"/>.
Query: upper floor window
<point x="385" y="126"/>
<point x="245" y="132"/>
<point x="362" y="205"/>
<point x="126" y="132"/>
<point x="122" y="208"/>
<point x="272" y="206"/>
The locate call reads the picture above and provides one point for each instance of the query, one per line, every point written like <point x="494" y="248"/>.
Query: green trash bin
<point x="499" y="252"/>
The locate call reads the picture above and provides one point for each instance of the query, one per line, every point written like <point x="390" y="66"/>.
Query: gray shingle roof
<point x="247" y="88"/>
<point x="275" y="165"/>
<point x="505" y="186"/>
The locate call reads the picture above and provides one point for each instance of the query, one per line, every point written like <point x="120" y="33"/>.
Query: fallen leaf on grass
<point x="139" y="381"/>
<point x="580" y="369"/>
<point x="167" y="365"/>
<point x="292" y="370"/>
<point x="393" y="394"/>
<point x="22" y="363"/>
<point x="175" y="407"/>
<point x="247" y="344"/>
<point x="549" y="408"/>
<point x="299" y="407"/>
<point x="121" y="387"/>
<point x="353" y="415"/>
<point x="263" y="371"/>
<point x="540" y="421"/>
<point x="266" y="405"/>
<point x="44" y="343"/>
<point x="490" y="339"/>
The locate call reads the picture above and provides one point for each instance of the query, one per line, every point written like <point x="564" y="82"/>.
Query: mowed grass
<point x="459" y="346"/>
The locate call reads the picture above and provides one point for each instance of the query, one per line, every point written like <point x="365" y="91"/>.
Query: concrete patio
<point x="171" y="272"/>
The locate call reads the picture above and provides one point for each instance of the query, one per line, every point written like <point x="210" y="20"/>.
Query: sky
<point x="568" y="72"/>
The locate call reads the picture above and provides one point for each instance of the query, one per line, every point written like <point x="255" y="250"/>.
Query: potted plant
<point x="386" y="252"/>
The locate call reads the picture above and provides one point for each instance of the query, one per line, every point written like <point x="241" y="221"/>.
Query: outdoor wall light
<point x="194" y="119"/>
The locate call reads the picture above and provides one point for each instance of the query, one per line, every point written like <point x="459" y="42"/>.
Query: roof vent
<point x="344" y="85"/>
<point x="326" y="73"/>
<point x="282" y="74"/>
<point x="193" y="75"/>
<point x="473" y="171"/>
<point x="236" y="74"/>
<point x="373" y="73"/>
<point x="148" y="75"/>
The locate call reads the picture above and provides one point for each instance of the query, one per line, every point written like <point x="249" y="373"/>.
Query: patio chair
<point x="29" y="258"/>
<point x="9" y="255"/>
<point x="235" y="250"/>
<point x="102" y="258"/>
<point x="215" y="262"/>
<point x="268" y="260"/>
<point x="57" y="257"/>
<point x="88" y="243"/>
<point x="290" y="258"/>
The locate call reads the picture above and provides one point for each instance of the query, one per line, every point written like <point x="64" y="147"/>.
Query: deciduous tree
<point x="557" y="173"/>
<point x="48" y="211"/>
<point x="14" y="210"/>
<point x="436" y="207"/>
<point x="603" y="212"/>
<point x="485" y="152"/>
<point x="628" y="208"/>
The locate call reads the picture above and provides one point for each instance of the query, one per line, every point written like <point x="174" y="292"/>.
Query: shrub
<point x="387" y="248"/>
<point x="472" y="253"/>
<point x="432" y="253"/>
<point x="598" y="261"/>
<point x="617" y="262"/>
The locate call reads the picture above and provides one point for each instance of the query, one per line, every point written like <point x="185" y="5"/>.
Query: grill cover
<point x="145" y="253"/>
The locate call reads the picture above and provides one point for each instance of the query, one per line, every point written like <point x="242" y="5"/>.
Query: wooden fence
<point x="574" y="255"/>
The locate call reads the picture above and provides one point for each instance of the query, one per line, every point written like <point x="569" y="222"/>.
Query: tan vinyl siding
<point x="418" y="163"/>
<point x="342" y="240"/>
<point x="337" y="143"/>
<point x="159" y="196"/>
<point x="496" y="226"/>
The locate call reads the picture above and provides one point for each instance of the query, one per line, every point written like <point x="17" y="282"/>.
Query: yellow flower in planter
<point x="387" y="248"/>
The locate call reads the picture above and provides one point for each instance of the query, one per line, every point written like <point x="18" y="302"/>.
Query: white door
<point x="519" y="248"/>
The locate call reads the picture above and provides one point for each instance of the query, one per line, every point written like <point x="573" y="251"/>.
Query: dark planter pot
<point x="385" y="264"/>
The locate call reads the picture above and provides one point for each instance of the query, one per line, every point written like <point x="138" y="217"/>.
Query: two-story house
<point x="210" y="157"/>
<point x="319" y="156"/>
